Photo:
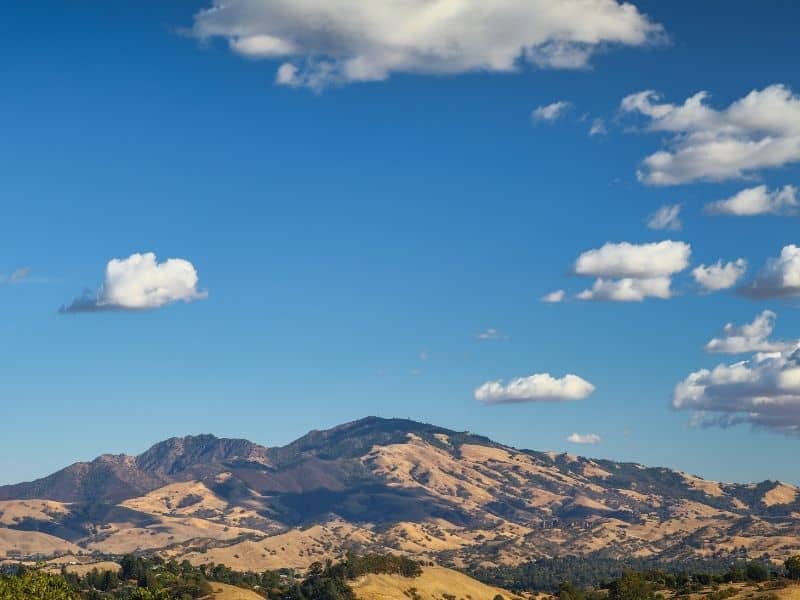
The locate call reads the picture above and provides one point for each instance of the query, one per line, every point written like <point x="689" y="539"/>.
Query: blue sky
<point x="356" y="238"/>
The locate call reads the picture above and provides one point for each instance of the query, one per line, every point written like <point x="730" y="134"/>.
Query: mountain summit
<point x="388" y="484"/>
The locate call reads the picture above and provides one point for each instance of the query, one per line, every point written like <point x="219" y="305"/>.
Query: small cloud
<point x="17" y="276"/>
<point x="550" y="112"/>
<point x="628" y="289"/>
<point x="666" y="217"/>
<point x="757" y="201"/>
<point x="423" y="355"/>
<point x="491" y="334"/>
<point x="540" y="387"/>
<point x="628" y="272"/>
<point x="720" y="276"/>
<point x="598" y="127"/>
<point x="584" y="438"/>
<point x="778" y="278"/>
<point x="750" y="337"/>
<point x="139" y="282"/>
<point x="554" y="297"/>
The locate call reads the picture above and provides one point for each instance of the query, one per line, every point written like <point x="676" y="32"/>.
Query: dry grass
<point x="223" y="591"/>
<point x="433" y="584"/>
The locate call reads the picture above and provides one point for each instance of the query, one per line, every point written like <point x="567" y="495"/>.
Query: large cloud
<point x="778" y="278"/>
<point x="632" y="272"/>
<point x="140" y="282"/>
<point x="757" y="201"/>
<point x="540" y="387"/>
<point x="750" y="337"/>
<point x="341" y="41"/>
<point x="758" y="131"/>
<point x="763" y="391"/>
<point x="720" y="276"/>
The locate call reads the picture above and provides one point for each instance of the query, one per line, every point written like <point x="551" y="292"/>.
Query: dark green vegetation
<point x="155" y="579"/>
<point x="581" y="573"/>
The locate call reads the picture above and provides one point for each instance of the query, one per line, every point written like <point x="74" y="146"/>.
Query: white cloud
<point x="550" y="112"/>
<point x="758" y="131"/>
<point x="763" y="391"/>
<point x="342" y="41"/>
<point x="779" y="277"/>
<point x="641" y="261"/>
<point x="720" y="276"/>
<point x="17" y="276"/>
<point x="139" y="282"/>
<point x="757" y="201"/>
<point x="628" y="289"/>
<point x="632" y="272"/>
<point x="598" y="127"/>
<point x="540" y="387"/>
<point x="490" y="334"/>
<point x="666" y="217"/>
<point x="554" y="297"/>
<point x="584" y="438"/>
<point x="750" y="337"/>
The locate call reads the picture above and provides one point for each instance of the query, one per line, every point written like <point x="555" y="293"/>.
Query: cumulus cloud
<point x="550" y="112"/>
<point x="750" y="337"/>
<point x="757" y="200"/>
<point x="554" y="297"/>
<point x="628" y="289"/>
<point x="540" y="387"/>
<point x="778" y="278"/>
<point x="344" y="41"/>
<point x="720" y="276"/>
<point x="639" y="261"/>
<point x="140" y="282"/>
<point x="759" y="131"/>
<point x="632" y="272"/>
<point x="584" y="438"/>
<point x="666" y="217"/>
<point x="763" y="391"/>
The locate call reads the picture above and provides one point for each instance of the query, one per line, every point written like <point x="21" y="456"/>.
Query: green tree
<point x="631" y="586"/>
<point x="756" y="571"/>
<point x="35" y="585"/>
<point x="793" y="567"/>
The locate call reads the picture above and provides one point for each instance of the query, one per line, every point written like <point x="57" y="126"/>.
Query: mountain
<point x="388" y="484"/>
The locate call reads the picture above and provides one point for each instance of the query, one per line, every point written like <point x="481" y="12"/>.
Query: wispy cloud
<point x="550" y="112"/>
<point x="666" y="217"/>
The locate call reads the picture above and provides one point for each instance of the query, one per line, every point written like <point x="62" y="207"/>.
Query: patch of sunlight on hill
<point x="223" y="591"/>
<point x="433" y="584"/>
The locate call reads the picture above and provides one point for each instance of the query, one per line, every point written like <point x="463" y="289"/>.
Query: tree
<point x="793" y="567"/>
<point x="631" y="586"/>
<point x="756" y="571"/>
<point x="35" y="585"/>
<point x="569" y="591"/>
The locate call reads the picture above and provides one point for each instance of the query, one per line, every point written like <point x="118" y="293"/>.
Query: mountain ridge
<point x="393" y="484"/>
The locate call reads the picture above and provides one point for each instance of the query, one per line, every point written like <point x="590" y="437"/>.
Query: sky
<point x="532" y="221"/>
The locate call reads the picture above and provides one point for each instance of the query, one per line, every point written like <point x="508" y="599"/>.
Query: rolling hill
<point x="388" y="484"/>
